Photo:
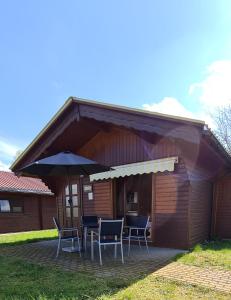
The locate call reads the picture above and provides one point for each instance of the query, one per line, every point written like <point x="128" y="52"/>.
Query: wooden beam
<point x="53" y="133"/>
<point x="141" y="123"/>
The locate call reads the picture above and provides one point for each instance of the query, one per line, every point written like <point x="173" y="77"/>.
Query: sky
<point x="169" y="56"/>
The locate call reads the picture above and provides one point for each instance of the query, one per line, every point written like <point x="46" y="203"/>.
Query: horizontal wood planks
<point x="30" y="218"/>
<point x="120" y="146"/>
<point x="200" y="210"/>
<point x="102" y="203"/>
<point x="223" y="208"/>
<point x="170" y="208"/>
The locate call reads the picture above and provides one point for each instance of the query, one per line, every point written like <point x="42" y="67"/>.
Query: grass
<point x="158" y="288"/>
<point x="21" y="280"/>
<point x="27" y="237"/>
<point x="216" y="254"/>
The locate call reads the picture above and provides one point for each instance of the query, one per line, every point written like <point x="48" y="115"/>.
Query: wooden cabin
<point x="25" y="204"/>
<point x="163" y="166"/>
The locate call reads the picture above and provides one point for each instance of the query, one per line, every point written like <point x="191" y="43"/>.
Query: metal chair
<point x="73" y="237"/>
<point x="110" y="232"/>
<point x="88" y="222"/>
<point x="137" y="227"/>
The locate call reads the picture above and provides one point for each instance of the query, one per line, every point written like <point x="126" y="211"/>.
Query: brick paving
<point x="206" y="277"/>
<point x="139" y="262"/>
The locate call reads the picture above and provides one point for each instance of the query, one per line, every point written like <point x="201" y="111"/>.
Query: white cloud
<point x="213" y="91"/>
<point x="7" y="153"/>
<point x="171" y="106"/>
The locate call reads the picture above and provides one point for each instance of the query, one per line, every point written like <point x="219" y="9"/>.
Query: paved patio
<point x="207" y="277"/>
<point x="139" y="263"/>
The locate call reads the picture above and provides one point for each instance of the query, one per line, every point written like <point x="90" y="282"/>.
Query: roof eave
<point x="72" y="99"/>
<point x="25" y="191"/>
<point x="53" y="119"/>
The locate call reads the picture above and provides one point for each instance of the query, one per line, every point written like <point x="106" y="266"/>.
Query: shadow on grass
<point x="27" y="280"/>
<point x="21" y="280"/>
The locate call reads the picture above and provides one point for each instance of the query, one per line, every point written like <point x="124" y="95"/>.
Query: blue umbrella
<point x="64" y="164"/>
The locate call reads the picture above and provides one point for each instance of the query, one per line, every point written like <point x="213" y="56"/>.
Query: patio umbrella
<point x="64" y="164"/>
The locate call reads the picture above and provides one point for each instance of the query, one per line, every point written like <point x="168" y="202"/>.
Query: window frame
<point x="12" y="204"/>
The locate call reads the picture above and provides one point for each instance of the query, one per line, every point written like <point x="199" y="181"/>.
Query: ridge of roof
<point x="136" y="110"/>
<point x="72" y="99"/>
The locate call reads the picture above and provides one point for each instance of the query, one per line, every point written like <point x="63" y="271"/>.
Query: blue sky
<point x="169" y="56"/>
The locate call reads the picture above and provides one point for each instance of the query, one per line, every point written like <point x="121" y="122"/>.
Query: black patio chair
<point x="137" y="230"/>
<point x="88" y="222"/>
<point x="71" y="237"/>
<point x="110" y="232"/>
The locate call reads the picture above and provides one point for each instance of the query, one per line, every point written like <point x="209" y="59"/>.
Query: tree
<point x="222" y="120"/>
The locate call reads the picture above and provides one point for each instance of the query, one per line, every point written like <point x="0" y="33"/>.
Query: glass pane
<point x="67" y="201"/>
<point x="75" y="200"/>
<point x="4" y="206"/>
<point x="75" y="212"/>
<point x="68" y="212"/>
<point x="17" y="209"/>
<point x="74" y="189"/>
<point x="66" y="190"/>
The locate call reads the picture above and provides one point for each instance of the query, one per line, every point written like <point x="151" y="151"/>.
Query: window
<point x="4" y="206"/>
<point x="8" y="206"/>
<point x="74" y="206"/>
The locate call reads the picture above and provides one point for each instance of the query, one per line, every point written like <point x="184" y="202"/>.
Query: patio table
<point x="93" y="230"/>
<point x="85" y="228"/>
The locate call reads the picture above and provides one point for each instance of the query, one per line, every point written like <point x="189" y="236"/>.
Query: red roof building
<point x="25" y="204"/>
<point x="9" y="182"/>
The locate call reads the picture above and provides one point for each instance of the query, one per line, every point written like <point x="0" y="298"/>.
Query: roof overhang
<point x="79" y="101"/>
<point x="140" y="120"/>
<point x="145" y="167"/>
<point x="25" y="191"/>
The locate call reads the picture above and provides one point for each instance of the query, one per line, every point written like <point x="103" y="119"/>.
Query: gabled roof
<point x="127" y="113"/>
<point x="11" y="183"/>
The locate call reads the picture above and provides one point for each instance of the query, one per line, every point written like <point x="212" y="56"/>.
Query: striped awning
<point x="145" y="167"/>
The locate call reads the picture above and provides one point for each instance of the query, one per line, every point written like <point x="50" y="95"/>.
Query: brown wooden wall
<point x="120" y="146"/>
<point x="200" y="213"/>
<point x="175" y="202"/>
<point x="222" y="208"/>
<point x="170" y="208"/>
<point x="30" y="218"/>
<point x="102" y="203"/>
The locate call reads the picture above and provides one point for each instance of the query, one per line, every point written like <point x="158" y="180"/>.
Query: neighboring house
<point x="164" y="166"/>
<point x="25" y="204"/>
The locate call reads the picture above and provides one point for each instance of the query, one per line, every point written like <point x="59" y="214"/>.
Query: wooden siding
<point x="170" y="208"/>
<point x="201" y="194"/>
<point x="48" y="211"/>
<point x="30" y="218"/>
<point x="120" y="146"/>
<point x="222" y="222"/>
<point x="102" y="203"/>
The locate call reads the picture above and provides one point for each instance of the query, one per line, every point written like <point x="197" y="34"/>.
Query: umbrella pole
<point x="81" y="195"/>
<point x="81" y="207"/>
<point x="70" y="198"/>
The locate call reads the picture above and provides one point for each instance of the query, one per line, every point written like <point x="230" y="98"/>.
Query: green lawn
<point x="27" y="237"/>
<point x="215" y="254"/>
<point x="22" y="280"/>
